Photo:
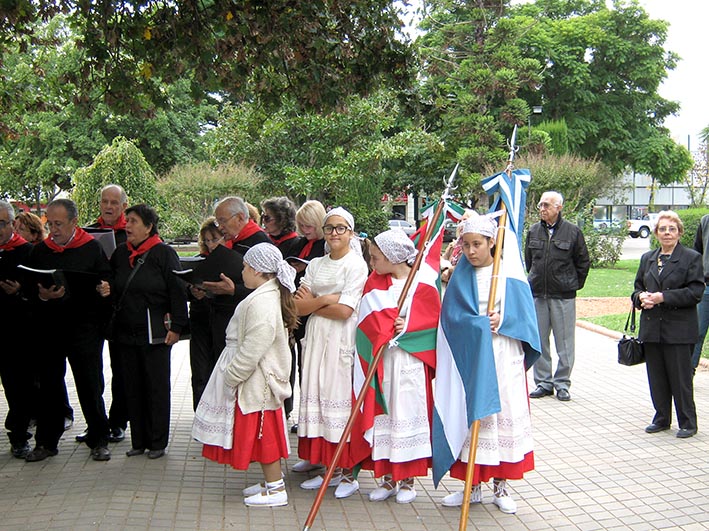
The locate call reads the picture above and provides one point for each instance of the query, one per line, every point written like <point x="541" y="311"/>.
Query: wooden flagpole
<point x="475" y="428"/>
<point x="373" y="366"/>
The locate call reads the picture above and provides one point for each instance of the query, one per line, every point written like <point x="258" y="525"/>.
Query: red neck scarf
<point x="249" y="229"/>
<point x="120" y="223"/>
<point x="277" y="240"/>
<point x="305" y="251"/>
<point x="13" y="243"/>
<point x="79" y="238"/>
<point x="142" y="248"/>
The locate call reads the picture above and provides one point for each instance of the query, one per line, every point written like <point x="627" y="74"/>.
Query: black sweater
<point x="154" y="286"/>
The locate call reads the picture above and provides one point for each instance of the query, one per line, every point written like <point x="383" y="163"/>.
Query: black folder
<point x="75" y="283"/>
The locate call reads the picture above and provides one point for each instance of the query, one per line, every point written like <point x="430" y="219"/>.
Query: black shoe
<point x="563" y="395"/>
<point x="156" y="454"/>
<point x="654" y="428"/>
<point x="294" y="428"/>
<point x="40" y="453"/>
<point x="116" y="435"/>
<point x="684" y="433"/>
<point x="100" y="453"/>
<point x="135" y="451"/>
<point x="68" y="423"/>
<point x="539" y="392"/>
<point x="83" y="436"/>
<point x="21" y="450"/>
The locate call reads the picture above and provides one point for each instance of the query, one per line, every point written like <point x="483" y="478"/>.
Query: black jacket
<point x="154" y="286"/>
<point x="682" y="285"/>
<point x="557" y="265"/>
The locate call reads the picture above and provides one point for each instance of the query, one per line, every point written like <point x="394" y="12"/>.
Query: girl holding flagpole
<point x="398" y="441"/>
<point x="330" y="294"/>
<point x="505" y="444"/>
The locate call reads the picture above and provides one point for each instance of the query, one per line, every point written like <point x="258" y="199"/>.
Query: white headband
<point x="396" y="246"/>
<point x="339" y="211"/>
<point x="478" y="224"/>
<point x="267" y="258"/>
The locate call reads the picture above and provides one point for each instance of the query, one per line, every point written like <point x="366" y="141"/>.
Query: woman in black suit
<point x="668" y="286"/>
<point x="152" y="291"/>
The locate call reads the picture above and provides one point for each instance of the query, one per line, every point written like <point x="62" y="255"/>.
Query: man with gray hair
<point x="16" y="373"/>
<point x="557" y="264"/>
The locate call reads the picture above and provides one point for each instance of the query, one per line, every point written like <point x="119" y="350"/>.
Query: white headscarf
<point x="396" y="246"/>
<point x="267" y="258"/>
<point x="477" y="224"/>
<point x="355" y="241"/>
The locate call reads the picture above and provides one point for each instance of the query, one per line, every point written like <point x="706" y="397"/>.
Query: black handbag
<point x="630" y="349"/>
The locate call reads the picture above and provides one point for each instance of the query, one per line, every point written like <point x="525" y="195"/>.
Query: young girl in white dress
<point x="399" y="444"/>
<point x="505" y="444"/>
<point x="250" y="381"/>
<point x="329" y="293"/>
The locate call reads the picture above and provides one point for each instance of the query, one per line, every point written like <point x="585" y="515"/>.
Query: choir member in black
<point x="113" y="205"/>
<point x="240" y="234"/>
<point x="309" y="221"/>
<point x="278" y="220"/>
<point x="72" y="320"/>
<point x="17" y="376"/>
<point x="153" y="295"/>
<point x="202" y="358"/>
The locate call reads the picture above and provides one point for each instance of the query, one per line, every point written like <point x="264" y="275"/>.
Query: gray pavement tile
<point x="595" y="469"/>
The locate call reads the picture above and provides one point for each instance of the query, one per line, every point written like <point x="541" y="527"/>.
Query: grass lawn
<point x="611" y="282"/>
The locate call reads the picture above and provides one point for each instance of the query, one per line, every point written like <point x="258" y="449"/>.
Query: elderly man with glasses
<point x="557" y="262"/>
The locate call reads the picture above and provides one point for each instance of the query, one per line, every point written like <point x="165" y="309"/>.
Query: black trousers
<point x="670" y="374"/>
<point x="82" y="346"/>
<point x="148" y="393"/>
<point x="118" y="414"/>
<point x="18" y="381"/>
<point x="202" y="358"/>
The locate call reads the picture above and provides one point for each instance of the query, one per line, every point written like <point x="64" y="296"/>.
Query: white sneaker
<point x="268" y="498"/>
<point x="407" y="492"/>
<point x="314" y="483"/>
<point x="503" y="499"/>
<point x="304" y="466"/>
<point x="387" y="489"/>
<point x="254" y="489"/>
<point x="455" y="499"/>
<point x="347" y="487"/>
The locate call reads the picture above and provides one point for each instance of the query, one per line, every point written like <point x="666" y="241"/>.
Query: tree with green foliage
<point x="697" y="180"/>
<point x="603" y="66"/>
<point x="316" y="51"/>
<point x="189" y="192"/>
<point x="119" y="163"/>
<point x="48" y="129"/>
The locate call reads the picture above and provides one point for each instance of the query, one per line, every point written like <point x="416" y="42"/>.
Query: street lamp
<point x="536" y="109"/>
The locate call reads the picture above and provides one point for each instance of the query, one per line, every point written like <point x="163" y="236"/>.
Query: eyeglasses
<point x="545" y="205"/>
<point x="265" y="218"/>
<point x="339" y="229"/>
<point x="4" y="224"/>
<point x="667" y="229"/>
<point x="221" y="222"/>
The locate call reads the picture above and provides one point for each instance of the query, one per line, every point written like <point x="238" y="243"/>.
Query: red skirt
<point x="483" y="473"/>
<point x="398" y="471"/>
<point x="247" y="447"/>
<point x="319" y="451"/>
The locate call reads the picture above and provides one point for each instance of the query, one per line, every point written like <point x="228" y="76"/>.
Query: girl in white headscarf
<point x="329" y="293"/>
<point x="398" y="444"/>
<point x="249" y="384"/>
<point x="505" y="444"/>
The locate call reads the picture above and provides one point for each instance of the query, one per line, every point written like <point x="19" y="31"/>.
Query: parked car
<point x="449" y="228"/>
<point x="402" y="224"/>
<point x="642" y="227"/>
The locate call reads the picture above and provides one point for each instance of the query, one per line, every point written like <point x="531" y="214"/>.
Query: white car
<point x="642" y="227"/>
<point x="402" y="224"/>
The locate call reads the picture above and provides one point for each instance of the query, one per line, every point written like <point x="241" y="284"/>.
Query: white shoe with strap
<point x="384" y="491"/>
<point x="347" y="487"/>
<point x="407" y="492"/>
<point x="502" y="497"/>
<point x="274" y="495"/>
<point x="455" y="499"/>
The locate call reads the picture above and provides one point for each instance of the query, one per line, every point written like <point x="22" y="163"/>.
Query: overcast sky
<point x="687" y="83"/>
